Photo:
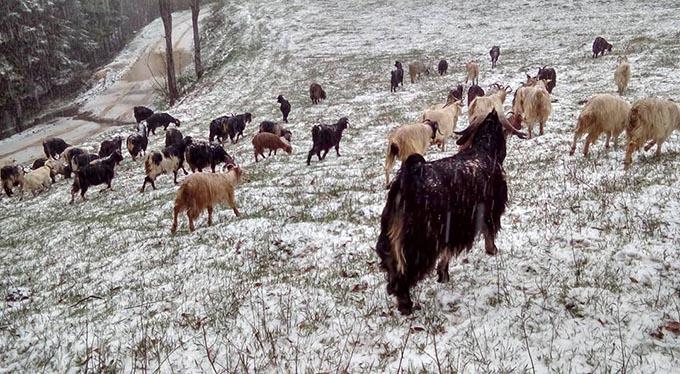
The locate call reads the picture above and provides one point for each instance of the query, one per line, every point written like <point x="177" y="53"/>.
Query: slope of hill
<point x="587" y="277"/>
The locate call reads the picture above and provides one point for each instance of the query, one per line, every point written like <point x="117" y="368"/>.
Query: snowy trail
<point x="588" y="275"/>
<point x="129" y="83"/>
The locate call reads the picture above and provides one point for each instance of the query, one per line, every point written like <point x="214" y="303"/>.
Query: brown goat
<point x="316" y="93"/>
<point x="201" y="191"/>
<point x="272" y="142"/>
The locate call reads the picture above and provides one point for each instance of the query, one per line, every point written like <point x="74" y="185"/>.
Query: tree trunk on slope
<point x="198" y="65"/>
<point x="169" y="58"/>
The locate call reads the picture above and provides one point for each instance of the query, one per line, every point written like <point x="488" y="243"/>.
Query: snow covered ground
<point x="587" y="280"/>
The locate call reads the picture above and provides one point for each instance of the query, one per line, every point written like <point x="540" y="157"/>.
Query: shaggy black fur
<point x="200" y="155"/>
<point x="494" y="53"/>
<point x="547" y="73"/>
<point x="325" y="137"/>
<point x="107" y="147"/>
<point x="316" y="93"/>
<point x="80" y="161"/>
<point x="218" y="129"/>
<point x="276" y="129"/>
<point x="10" y="176"/>
<point x="600" y="45"/>
<point x="157" y="120"/>
<point x="400" y="72"/>
<point x="442" y="67"/>
<point x="285" y="107"/>
<point x="53" y="147"/>
<point x="137" y="143"/>
<point x="236" y="125"/>
<point x="38" y="163"/>
<point x="435" y="210"/>
<point x="142" y="113"/>
<point x="394" y="80"/>
<point x="473" y="92"/>
<point x="173" y="136"/>
<point x="94" y="174"/>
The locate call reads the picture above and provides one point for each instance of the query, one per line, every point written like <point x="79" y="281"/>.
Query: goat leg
<point x="175" y="178"/>
<point x="337" y="149"/>
<point x="324" y="154"/>
<point x="210" y="211"/>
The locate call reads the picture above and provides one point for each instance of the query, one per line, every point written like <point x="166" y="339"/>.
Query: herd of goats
<point x="434" y="209"/>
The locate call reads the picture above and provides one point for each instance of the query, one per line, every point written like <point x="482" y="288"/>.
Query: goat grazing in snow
<point x="171" y="159"/>
<point x="533" y="104"/>
<point x="202" y="191"/>
<point x="325" y="137"/>
<point x="160" y="119"/>
<point x="622" y="74"/>
<point x="200" y="155"/>
<point x="137" y="143"/>
<point x="316" y="93"/>
<point x="173" y="136"/>
<point x="650" y="119"/>
<point x="109" y="146"/>
<point x="547" y="75"/>
<point x="435" y="210"/>
<point x="446" y="116"/>
<point x="272" y="142"/>
<point x="408" y="140"/>
<point x="472" y="69"/>
<point x="95" y="173"/>
<point x="400" y="72"/>
<point x="37" y="180"/>
<point x="231" y="126"/>
<point x="600" y="45"/>
<point x="602" y="114"/>
<point x="276" y="129"/>
<point x="53" y="147"/>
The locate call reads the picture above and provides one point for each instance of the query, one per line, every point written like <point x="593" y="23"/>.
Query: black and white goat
<point x="95" y="173"/>
<point x="435" y="210"/>
<point x="170" y="159"/>
<point x="325" y="137"/>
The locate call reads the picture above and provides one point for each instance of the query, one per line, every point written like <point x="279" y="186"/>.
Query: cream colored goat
<point x="446" y="117"/>
<point x="37" y="180"/>
<point x="472" y="68"/>
<point x="481" y="106"/>
<point x="622" y="74"/>
<point x="650" y="119"/>
<point x="408" y="140"/>
<point x="532" y="102"/>
<point x="602" y="114"/>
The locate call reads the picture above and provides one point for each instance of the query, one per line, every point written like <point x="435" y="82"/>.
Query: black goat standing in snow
<point x="157" y="120"/>
<point x="200" y="155"/>
<point x="326" y="137"/>
<point x="435" y="210"/>
<point x="285" y="107"/>
<point x="98" y="172"/>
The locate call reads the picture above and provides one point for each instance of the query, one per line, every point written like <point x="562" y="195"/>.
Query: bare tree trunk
<point x="198" y="65"/>
<point x="170" y="63"/>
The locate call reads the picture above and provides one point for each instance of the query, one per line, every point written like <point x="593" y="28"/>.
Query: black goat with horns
<point x="435" y="210"/>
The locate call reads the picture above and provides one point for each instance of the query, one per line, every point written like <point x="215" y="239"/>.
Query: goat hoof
<point x="492" y="251"/>
<point x="443" y="278"/>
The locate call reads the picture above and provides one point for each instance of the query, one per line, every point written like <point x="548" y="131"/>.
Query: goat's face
<point x="247" y="117"/>
<point x="343" y="123"/>
<point x="279" y="98"/>
<point x="116" y="156"/>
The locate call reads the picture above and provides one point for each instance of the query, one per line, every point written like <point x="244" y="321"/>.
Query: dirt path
<point x="135" y="87"/>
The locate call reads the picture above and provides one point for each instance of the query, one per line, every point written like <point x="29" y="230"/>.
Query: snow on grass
<point x="588" y="267"/>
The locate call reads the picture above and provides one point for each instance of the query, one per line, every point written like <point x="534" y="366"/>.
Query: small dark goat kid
<point x="400" y="73"/>
<point x="276" y="129"/>
<point x="600" y="45"/>
<point x="473" y="92"/>
<point x="494" y="53"/>
<point x="11" y="176"/>
<point x="435" y="210"/>
<point x="549" y="75"/>
<point x="316" y="93"/>
<point x="200" y="155"/>
<point x="325" y="137"/>
<point x="157" y="120"/>
<point x="442" y="67"/>
<point x="142" y="113"/>
<point x="171" y="159"/>
<point x="285" y="107"/>
<point x="457" y="93"/>
<point x="173" y="136"/>
<point x="95" y="173"/>
<point x="137" y="143"/>
<point x="107" y="147"/>
<point x="236" y="125"/>
<point x="53" y="147"/>
<point x="394" y="80"/>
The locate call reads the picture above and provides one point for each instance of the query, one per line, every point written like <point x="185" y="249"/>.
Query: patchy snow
<point x="588" y="271"/>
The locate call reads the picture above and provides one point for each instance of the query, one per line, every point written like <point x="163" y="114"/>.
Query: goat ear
<point x="528" y="76"/>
